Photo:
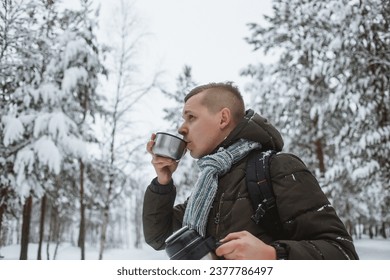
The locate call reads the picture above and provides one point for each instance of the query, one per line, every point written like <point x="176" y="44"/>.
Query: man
<point x="222" y="135"/>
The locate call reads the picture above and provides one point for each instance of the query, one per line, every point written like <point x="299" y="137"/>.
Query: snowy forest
<point x="72" y="162"/>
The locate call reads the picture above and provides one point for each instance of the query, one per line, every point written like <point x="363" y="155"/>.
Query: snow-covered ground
<point x="377" y="249"/>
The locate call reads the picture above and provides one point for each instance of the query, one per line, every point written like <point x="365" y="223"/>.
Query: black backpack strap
<point x="260" y="190"/>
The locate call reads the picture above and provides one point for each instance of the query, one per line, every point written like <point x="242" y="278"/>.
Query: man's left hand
<point x="245" y="246"/>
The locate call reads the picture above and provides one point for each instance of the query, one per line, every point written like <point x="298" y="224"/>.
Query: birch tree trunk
<point x="81" y="241"/>
<point x="103" y="236"/>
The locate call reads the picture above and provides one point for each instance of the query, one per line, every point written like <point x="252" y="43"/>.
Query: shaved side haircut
<point x="221" y="95"/>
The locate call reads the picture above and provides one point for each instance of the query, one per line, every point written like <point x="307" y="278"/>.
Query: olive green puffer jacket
<point x="311" y="227"/>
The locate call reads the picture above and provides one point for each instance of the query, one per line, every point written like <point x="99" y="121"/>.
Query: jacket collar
<point x="254" y="127"/>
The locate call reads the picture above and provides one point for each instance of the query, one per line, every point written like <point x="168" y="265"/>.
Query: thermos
<point x="187" y="244"/>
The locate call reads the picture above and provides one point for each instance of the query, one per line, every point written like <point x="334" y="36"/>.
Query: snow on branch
<point x="71" y="78"/>
<point x="48" y="154"/>
<point x="13" y="130"/>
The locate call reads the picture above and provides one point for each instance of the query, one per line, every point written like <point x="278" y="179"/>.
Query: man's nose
<point x="182" y="130"/>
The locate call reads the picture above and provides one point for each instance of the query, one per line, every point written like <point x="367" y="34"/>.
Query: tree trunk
<point x="3" y="207"/>
<point x="370" y="231"/>
<point x="27" y="208"/>
<point x="54" y="233"/>
<point x="2" y="211"/>
<point x="383" y="230"/>
<point x="320" y="156"/>
<point x="104" y="230"/>
<point x="81" y="241"/>
<point x="53" y="216"/>
<point x="106" y="216"/>
<point x="41" y="227"/>
<point x="138" y="222"/>
<point x="350" y="228"/>
<point x="56" y="249"/>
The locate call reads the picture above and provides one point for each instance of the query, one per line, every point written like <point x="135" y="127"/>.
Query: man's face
<point x="201" y="128"/>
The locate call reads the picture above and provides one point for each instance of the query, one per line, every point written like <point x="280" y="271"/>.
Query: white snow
<point x="69" y="252"/>
<point x="48" y="92"/>
<point x="73" y="47"/>
<point x="24" y="163"/>
<point x="71" y="78"/>
<point x="40" y="124"/>
<point x="58" y="126"/>
<point x="368" y="249"/>
<point x="48" y="154"/>
<point x="13" y="130"/>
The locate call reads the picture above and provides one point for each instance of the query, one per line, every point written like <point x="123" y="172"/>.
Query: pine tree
<point x="52" y="100"/>
<point x="329" y="92"/>
<point x="23" y="57"/>
<point x="78" y="69"/>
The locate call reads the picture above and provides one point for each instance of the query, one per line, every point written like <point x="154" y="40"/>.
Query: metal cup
<point x="169" y="145"/>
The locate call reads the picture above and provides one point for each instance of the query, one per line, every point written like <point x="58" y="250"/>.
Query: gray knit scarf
<point x="211" y="167"/>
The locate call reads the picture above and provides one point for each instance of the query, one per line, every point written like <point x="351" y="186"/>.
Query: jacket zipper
<point x="217" y="218"/>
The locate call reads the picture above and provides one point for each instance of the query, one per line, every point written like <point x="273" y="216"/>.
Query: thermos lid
<point x="187" y="244"/>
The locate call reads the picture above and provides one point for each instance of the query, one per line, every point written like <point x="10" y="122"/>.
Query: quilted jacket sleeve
<point x="160" y="218"/>
<point x="312" y="226"/>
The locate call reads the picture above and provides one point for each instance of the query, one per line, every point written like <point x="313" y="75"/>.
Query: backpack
<point x="258" y="181"/>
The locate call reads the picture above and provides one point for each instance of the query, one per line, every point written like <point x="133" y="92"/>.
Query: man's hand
<point x="245" y="246"/>
<point x="163" y="166"/>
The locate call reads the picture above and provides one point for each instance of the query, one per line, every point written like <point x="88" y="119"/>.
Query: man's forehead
<point x="192" y="104"/>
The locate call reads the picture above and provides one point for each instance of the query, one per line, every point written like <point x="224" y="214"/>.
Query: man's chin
<point x="194" y="154"/>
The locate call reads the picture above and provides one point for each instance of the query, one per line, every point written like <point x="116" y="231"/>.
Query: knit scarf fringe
<point x="211" y="167"/>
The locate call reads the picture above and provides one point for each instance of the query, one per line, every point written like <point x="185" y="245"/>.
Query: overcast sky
<point x="207" y="35"/>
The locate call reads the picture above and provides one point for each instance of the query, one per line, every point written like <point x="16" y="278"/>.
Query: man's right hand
<point x="163" y="166"/>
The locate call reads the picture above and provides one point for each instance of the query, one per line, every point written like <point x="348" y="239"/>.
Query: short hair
<point x="221" y="95"/>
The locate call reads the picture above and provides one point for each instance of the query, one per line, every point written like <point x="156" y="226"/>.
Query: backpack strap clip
<point x="262" y="208"/>
<point x="259" y="184"/>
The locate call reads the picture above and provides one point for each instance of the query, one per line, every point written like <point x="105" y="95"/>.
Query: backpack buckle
<point x="262" y="209"/>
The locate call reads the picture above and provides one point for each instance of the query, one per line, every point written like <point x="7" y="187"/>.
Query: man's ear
<point x="225" y="118"/>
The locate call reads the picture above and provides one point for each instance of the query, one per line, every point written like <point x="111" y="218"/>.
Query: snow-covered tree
<point x="329" y="94"/>
<point x="23" y="58"/>
<point x="49" y="109"/>
<point x="77" y="70"/>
